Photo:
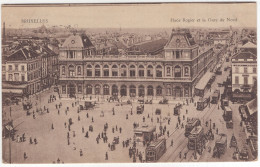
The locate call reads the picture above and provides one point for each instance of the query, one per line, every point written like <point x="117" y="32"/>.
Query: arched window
<point x="114" y="71"/>
<point x="71" y="71"/>
<point x="177" y="71"/>
<point x="89" y="90"/>
<point x="114" y="90"/>
<point x="89" y="70"/>
<point x="63" y="70"/>
<point x="168" y="71"/>
<point x="178" y="92"/>
<point x="123" y="70"/>
<point x="123" y="91"/>
<point x="150" y="90"/>
<point x="132" y="71"/>
<point x="159" y="71"/>
<point x="132" y="91"/>
<point x="159" y="91"/>
<point x="141" y="91"/>
<point x="97" y="89"/>
<point x="106" y="90"/>
<point x="150" y="71"/>
<point x="105" y="71"/>
<point x="141" y="71"/>
<point x="97" y="70"/>
<point x="79" y="70"/>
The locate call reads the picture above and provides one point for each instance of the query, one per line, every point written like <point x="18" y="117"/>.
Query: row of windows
<point x="245" y="70"/>
<point x="14" y="77"/>
<point x="115" y="90"/>
<point x="10" y="67"/>
<point x="245" y="78"/>
<point x="123" y="71"/>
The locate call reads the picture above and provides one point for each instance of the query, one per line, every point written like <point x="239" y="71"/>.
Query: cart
<point x="233" y="142"/>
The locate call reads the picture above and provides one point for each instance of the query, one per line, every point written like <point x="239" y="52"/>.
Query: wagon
<point x="158" y="111"/>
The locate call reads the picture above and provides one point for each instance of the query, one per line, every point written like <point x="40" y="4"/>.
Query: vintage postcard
<point x="129" y="83"/>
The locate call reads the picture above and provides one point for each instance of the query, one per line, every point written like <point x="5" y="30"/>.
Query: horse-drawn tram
<point x="196" y="139"/>
<point x="190" y="125"/>
<point x="155" y="150"/>
<point x="203" y="103"/>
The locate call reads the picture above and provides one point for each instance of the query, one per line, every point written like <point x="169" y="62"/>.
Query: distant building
<point x="244" y="72"/>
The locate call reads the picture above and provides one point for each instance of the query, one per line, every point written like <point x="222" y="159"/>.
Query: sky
<point x="132" y="15"/>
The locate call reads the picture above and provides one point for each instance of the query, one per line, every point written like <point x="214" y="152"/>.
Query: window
<point x="22" y="68"/>
<point x="254" y="70"/>
<point x="132" y="71"/>
<point x="79" y="88"/>
<point x="71" y="54"/>
<point x="245" y="80"/>
<point x="63" y="89"/>
<point x="16" y="67"/>
<point x="159" y="71"/>
<point x="3" y="77"/>
<point x="245" y="69"/>
<point x="123" y="71"/>
<point x="141" y="91"/>
<point x="89" y="90"/>
<point x="23" y="78"/>
<point x="150" y="90"/>
<point x="236" y="80"/>
<point x="106" y="90"/>
<point x="89" y="70"/>
<point x="237" y="69"/>
<point x="10" y="67"/>
<point x="132" y="91"/>
<point x="150" y="71"/>
<point x="141" y="71"/>
<point x="159" y="91"/>
<point x="168" y="71"/>
<point x="97" y="71"/>
<point x="79" y="70"/>
<point x="114" y="90"/>
<point x="10" y="77"/>
<point x="63" y="70"/>
<point x="106" y="71"/>
<point x="177" y="71"/>
<point x="97" y="89"/>
<point x="177" y="54"/>
<point x="71" y="71"/>
<point x="16" y="76"/>
<point x="3" y="68"/>
<point x="114" y="71"/>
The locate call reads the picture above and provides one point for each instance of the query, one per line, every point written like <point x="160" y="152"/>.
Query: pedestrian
<point x="65" y="124"/>
<point x="143" y="119"/>
<point x="78" y="118"/>
<point x="74" y="134"/>
<point x="120" y="130"/>
<point x="56" y="106"/>
<point x="123" y="143"/>
<point x="183" y="117"/>
<point x="180" y="154"/>
<point x="58" y="112"/>
<point x="185" y="155"/>
<point x="35" y="141"/>
<point x="86" y="134"/>
<point x="217" y="131"/>
<point x="82" y="129"/>
<point x="87" y="115"/>
<point x="116" y="127"/>
<point x="151" y="119"/>
<point x="126" y="116"/>
<point x="92" y="119"/>
<point x="172" y="142"/>
<point x="34" y="116"/>
<point x="106" y="156"/>
<point x="68" y="135"/>
<point x="168" y="133"/>
<point x="80" y="153"/>
<point x="31" y="142"/>
<point x="47" y="110"/>
<point x="24" y="156"/>
<point x="52" y="127"/>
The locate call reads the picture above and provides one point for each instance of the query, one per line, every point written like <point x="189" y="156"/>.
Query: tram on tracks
<point x="155" y="150"/>
<point x="191" y="123"/>
<point x="196" y="139"/>
<point x="203" y="103"/>
<point x="215" y="97"/>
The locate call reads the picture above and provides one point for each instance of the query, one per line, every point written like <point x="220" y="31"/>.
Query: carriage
<point x="87" y="105"/>
<point x="177" y="109"/>
<point x="140" y="109"/>
<point x="27" y="106"/>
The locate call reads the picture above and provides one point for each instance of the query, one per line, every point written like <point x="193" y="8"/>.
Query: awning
<point x="252" y="106"/>
<point x="204" y="81"/>
<point x="15" y="91"/>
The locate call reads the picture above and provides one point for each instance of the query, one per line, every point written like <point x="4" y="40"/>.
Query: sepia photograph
<point x="129" y="83"/>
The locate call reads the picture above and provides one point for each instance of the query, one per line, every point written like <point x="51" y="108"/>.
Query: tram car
<point x="155" y="150"/>
<point x="177" y="109"/>
<point x="140" y="109"/>
<point x="203" y="103"/>
<point x="224" y="103"/>
<point x="191" y="123"/>
<point x="27" y="106"/>
<point x="215" y="97"/>
<point x="196" y="139"/>
<point x="227" y="113"/>
<point x="220" y="145"/>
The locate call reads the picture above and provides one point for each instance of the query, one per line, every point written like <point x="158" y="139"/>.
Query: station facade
<point x="172" y="73"/>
